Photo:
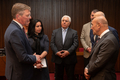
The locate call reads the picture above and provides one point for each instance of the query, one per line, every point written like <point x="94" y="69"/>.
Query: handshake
<point x="38" y="64"/>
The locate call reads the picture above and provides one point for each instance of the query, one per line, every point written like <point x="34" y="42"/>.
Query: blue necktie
<point x="92" y="37"/>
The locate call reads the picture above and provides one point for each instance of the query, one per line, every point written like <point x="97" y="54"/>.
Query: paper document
<point x="43" y="62"/>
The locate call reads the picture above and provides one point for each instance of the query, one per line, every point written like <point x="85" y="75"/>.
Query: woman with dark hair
<point x="40" y="45"/>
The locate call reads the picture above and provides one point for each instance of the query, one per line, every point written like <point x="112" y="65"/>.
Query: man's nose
<point x="64" y="22"/>
<point x="30" y="17"/>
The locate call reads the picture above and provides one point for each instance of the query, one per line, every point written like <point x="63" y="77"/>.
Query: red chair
<point x="81" y="49"/>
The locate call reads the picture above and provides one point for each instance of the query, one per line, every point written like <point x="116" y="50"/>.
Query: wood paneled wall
<point x="51" y="11"/>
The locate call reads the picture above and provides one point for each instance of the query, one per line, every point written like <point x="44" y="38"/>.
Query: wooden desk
<point x="79" y="53"/>
<point x="79" y="68"/>
<point x="2" y="65"/>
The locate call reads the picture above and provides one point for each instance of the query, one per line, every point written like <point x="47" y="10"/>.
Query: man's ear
<point x="99" y="25"/>
<point x="17" y="16"/>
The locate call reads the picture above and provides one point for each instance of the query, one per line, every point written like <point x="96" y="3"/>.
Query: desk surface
<point x="79" y="53"/>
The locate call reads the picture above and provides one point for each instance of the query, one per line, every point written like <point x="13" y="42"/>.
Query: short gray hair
<point x="19" y="8"/>
<point x="67" y="17"/>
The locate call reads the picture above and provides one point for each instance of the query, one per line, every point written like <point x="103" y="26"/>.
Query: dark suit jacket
<point x="113" y="30"/>
<point x="70" y="44"/>
<point x="19" y="58"/>
<point x="103" y="58"/>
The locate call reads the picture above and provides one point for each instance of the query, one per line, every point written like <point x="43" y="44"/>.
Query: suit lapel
<point x="60" y="34"/>
<point x="13" y="22"/>
<point x="98" y="43"/>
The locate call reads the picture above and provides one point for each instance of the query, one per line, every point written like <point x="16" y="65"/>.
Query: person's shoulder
<point x="56" y="30"/>
<point x="87" y="24"/>
<point x="45" y="35"/>
<point x="72" y="30"/>
<point x="14" y="27"/>
<point x="111" y="28"/>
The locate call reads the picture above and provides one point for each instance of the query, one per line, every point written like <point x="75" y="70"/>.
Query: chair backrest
<point x="81" y="49"/>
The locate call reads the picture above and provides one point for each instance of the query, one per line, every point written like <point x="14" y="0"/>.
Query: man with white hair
<point x="64" y="42"/>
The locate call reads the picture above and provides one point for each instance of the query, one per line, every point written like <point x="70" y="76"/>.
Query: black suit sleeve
<point x="17" y="41"/>
<point x="52" y="44"/>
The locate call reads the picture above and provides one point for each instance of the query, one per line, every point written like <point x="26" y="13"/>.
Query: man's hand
<point x="89" y="49"/>
<point x="65" y="53"/>
<point x="59" y="53"/>
<point x="37" y="58"/>
<point x="86" y="75"/>
<point x="38" y="66"/>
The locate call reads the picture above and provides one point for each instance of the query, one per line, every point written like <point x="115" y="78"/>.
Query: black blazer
<point x="103" y="58"/>
<point x="70" y="44"/>
<point x="19" y="58"/>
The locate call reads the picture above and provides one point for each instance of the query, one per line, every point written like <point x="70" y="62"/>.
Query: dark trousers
<point x="86" y="61"/>
<point x="41" y="74"/>
<point x="59" y="71"/>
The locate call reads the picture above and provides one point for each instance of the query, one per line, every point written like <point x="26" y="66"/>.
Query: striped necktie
<point x="97" y="40"/>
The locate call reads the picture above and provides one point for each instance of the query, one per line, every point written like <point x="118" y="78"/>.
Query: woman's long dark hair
<point x="31" y="28"/>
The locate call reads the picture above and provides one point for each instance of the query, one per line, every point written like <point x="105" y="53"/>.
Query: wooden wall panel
<point x="1" y="35"/>
<point x="51" y="11"/>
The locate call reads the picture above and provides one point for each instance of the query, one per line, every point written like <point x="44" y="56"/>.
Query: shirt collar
<point x="18" y="24"/>
<point x="104" y="33"/>
<point x="64" y="29"/>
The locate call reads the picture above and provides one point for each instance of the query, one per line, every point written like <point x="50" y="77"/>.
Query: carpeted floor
<point x="65" y="78"/>
<point x="118" y="76"/>
<point x="51" y="76"/>
<point x="79" y="77"/>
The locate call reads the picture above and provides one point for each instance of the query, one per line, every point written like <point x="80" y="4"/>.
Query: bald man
<point x="104" y="53"/>
<point x="113" y="30"/>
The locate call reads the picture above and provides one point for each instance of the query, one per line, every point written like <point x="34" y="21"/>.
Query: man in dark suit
<point x="104" y="52"/>
<point x="19" y="56"/>
<point x="64" y="42"/>
<point x="113" y="30"/>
